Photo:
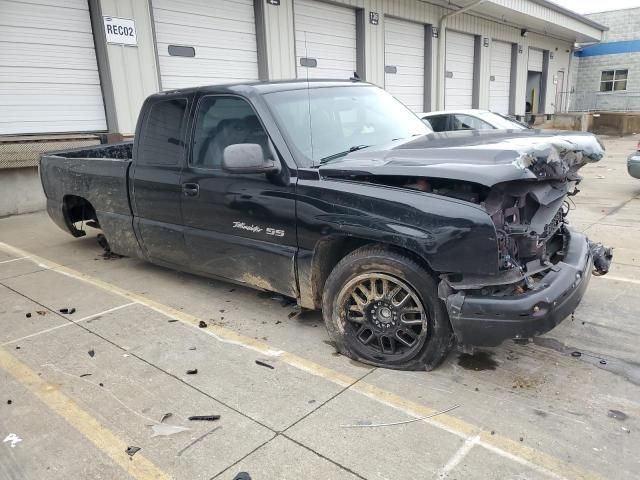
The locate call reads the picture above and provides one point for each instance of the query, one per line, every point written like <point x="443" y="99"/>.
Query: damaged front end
<point x="544" y="264"/>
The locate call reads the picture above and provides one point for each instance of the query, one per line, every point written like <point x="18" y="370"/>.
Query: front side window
<point x="613" y="80"/>
<point x="162" y="139"/>
<point x="439" y="123"/>
<point x="324" y="124"/>
<point x="222" y="121"/>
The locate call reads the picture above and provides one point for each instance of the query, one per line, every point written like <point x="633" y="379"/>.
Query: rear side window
<point x="162" y="141"/>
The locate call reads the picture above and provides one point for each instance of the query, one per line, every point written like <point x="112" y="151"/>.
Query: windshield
<point x="500" y="121"/>
<point x="324" y="124"/>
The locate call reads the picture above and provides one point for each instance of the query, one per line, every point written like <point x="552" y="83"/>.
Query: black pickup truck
<point x="337" y="195"/>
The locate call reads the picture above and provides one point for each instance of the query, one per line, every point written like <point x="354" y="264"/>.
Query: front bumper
<point x="479" y="320"/>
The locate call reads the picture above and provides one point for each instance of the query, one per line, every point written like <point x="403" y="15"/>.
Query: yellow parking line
<point x="535" y="459"/>
<point x="138" y="467"/>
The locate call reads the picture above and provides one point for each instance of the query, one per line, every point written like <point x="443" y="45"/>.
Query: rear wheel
<point x="381" y="307"/>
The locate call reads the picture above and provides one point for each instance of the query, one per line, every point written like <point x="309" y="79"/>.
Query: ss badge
<point x="274" y="232"/>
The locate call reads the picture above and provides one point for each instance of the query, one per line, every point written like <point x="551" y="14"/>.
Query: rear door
<point x="238" y="226"/>
<point x="155" y="180"/>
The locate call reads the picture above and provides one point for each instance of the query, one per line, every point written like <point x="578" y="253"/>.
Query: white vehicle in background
<point x="473" y="119"/>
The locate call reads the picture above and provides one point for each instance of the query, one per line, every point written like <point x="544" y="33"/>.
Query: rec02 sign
<point x="121" y="31"/>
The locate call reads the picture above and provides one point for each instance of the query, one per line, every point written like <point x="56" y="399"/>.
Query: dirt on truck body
<point x="337" y="195"/>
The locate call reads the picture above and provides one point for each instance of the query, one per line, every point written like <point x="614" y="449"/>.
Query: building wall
<point x="624" y="26"/>
<point x="425" y="13"/>
<point x="133" y="71"/>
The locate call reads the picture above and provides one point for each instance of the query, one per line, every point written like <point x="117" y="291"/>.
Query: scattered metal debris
<point x="13" y="438"/>
<point x="242" y="476"/>
<point x="108" y="254"/>
<point x="403" y="422"/>
<point x="68" y="311"/>
<point x="172" y="320"/>
<point x="92" y="353"/>
<point x="131" y="451"/>
<point x="205" y="418"/>
<point x="9" y="402"/>
<point x="85" y="375"/>
<point x="202" y="324"/>
<point x="164" y="429"/>
<point x="193" y="371"/>
<point x="192" y="348"/>
<point x="601" y="258"/>
<point x="576" y="354"/>
<point x="179" y="454"/>
<point x="165" y="416"/>
<point x="28" y="315"/>
<point x="617" y="414"/>
<point x="264" y="364"/>
<point x="41" y="312"/>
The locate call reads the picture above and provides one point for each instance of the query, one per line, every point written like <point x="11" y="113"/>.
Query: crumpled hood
<point x="484" y="157"/>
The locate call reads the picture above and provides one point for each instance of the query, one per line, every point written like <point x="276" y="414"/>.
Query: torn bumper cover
<point x="481" y="320"/>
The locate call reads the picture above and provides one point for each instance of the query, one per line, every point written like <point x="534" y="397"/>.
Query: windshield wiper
<point x="355" y="148"/>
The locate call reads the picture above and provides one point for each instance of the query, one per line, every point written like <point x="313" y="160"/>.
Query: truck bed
<point x="97" y="174"/>
<point x="87" y="184"/>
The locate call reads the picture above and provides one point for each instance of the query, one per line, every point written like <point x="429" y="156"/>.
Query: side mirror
<point x="246" y="158"/>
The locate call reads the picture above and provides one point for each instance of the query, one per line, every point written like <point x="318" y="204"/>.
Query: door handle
<point x="190" y="189"/>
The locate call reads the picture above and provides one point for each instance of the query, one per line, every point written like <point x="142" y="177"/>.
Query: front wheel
<point x="381" y="307"/>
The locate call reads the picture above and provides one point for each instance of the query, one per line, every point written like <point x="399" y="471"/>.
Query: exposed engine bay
<point x="529" y="215"/>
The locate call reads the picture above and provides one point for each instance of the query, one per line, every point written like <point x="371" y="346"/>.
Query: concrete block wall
<point x="623" y="24"/>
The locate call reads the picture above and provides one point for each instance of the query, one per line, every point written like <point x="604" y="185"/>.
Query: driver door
<point x="239" y="226"/>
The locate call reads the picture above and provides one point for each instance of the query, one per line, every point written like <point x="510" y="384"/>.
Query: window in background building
<point x="613" y="80"/>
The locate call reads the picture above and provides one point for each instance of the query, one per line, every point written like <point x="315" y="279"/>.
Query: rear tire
<point x="381" y="307"/>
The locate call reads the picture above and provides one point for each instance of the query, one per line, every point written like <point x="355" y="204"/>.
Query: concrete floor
<point x="76" y="390"/>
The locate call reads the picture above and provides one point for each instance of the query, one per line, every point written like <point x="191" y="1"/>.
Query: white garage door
<point x="404" y="62"/>
<point x="49" y="79"/>
<point x="326" y="38"/>
<point x="222" y="34"/>
<point x="458" y="86"/>
<point x="535" y="60"/>
<point x="500" y="79"/>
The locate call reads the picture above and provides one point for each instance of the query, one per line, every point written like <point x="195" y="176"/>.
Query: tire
<point x="370" y="323"/>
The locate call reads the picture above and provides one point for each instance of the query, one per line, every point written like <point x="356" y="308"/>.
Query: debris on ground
<point x="242" y="476"/>
<point x="131" y="451"/>
<point x="9" y="402"/>
<point x="193" y="371"/>
<point x="41" y="312"/>
<point x="202" y="324"/>
<point x="173" y="320"/>
<point x="13" y="438"/>
<point x="278" y="322"/>
<point x="206" y="434"/>
<point x="85" y="375"/>
<point x="601" y="257"/>
<point x="403" y="422"/>
<point x="576" y="354"/>
<point x="205" y="418"/>
<point x="264" y="364"/>
<point x="617" y="414"/>
<point x="165" y="416"/>
<point x="192" y="348"/>
<point x="108" y="254"/>
<point x="28" y="315"/>
<point x="68" y="311"/>
<point x="92" y="353"/>
<point x="164" y="430"/>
